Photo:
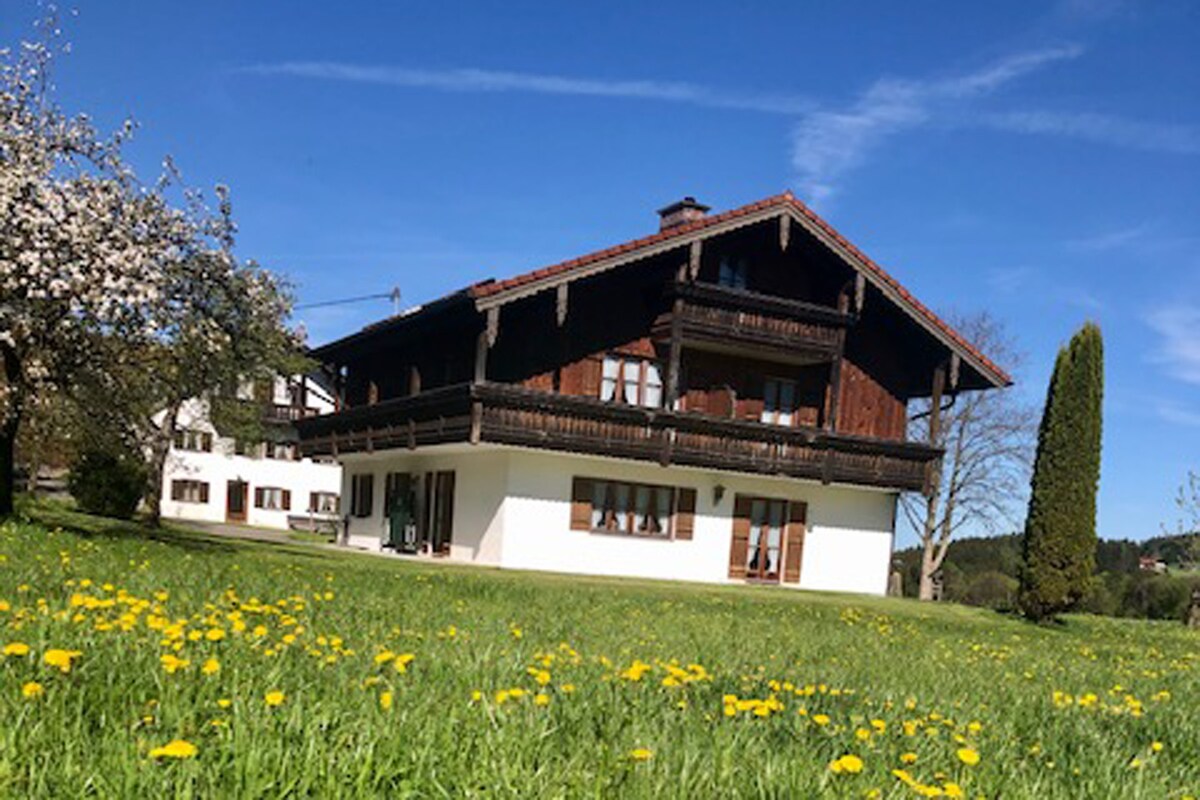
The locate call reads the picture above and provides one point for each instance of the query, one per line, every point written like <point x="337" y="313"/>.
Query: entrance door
<point x="235" y="500"/>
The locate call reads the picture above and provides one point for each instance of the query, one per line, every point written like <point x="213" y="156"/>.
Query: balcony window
<point x="630" y="380"/>
<point x="732" y="272"/>
<point x="779" y="401"/>
<point x="195" y="441"/>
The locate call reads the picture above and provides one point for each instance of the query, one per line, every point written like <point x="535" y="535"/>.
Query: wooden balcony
<point x="723" y="319"/>
<point x="511" y="415"/>
<point x="283" y="412"/>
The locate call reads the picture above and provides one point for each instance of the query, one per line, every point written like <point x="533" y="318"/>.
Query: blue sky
<point x="1041" y="161"/>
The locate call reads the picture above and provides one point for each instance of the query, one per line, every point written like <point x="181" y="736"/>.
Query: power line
<point x="393" y="295"/>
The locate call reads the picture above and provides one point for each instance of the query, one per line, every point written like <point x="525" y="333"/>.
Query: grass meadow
<point x="179" y="665"/>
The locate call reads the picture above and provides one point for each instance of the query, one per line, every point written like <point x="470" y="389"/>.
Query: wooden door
<point x="235" y="501"/>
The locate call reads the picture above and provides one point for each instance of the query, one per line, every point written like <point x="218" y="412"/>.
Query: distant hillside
<point x="984" y="571"/>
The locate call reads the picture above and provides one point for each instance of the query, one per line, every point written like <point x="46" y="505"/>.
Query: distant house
<point x="724" y="400"/>
<point x="1152" y="564"/>
<point x="213" y="478"/>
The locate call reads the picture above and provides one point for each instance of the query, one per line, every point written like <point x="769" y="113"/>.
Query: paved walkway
<point x="234" y="531"/>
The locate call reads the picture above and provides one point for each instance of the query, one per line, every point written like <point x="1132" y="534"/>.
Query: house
<point x="213" y="478"/>
<point x="723" y="400"/>
<point x="1152" y="564"/>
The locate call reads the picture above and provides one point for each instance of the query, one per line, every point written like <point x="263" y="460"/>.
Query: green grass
<point x="938" y="669"/>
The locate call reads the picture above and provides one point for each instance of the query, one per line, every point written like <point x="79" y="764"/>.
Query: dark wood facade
<point x="757" y="349"/>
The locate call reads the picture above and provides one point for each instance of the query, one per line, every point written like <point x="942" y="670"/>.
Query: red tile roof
<point x="787" y="199"/>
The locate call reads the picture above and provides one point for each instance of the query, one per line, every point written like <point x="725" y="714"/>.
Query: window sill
<point x="662" y="537"/>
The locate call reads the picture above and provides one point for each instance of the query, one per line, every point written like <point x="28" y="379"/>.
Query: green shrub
<point x="108" y="484"/>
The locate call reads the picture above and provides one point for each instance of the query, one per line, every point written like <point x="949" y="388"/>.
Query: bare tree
<point x="988" y="440"/>
<point x="1188" y="525"/>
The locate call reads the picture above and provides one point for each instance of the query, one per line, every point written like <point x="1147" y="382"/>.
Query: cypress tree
<point x="1059" y="545"/>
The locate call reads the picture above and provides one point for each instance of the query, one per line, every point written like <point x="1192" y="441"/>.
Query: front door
<point x="765" y="543"/>
<point x="235" y="500"/>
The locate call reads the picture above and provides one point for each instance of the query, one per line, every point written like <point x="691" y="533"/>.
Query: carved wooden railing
<point x="512" y="415"/>
<point x="718" y="314"/>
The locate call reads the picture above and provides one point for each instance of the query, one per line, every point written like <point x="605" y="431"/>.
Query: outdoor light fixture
<point x="718" y="493"/>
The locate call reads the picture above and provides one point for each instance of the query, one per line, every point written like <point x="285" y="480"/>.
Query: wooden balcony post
<point x="835" y="383"/>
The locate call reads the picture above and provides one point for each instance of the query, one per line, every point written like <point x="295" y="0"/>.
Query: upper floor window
<point x="733" y="272"/>
<point x="779" y="401"/>
<point x="281" y="451"/>
<point x="631" y="380"/>
<point x="199" y="441"/>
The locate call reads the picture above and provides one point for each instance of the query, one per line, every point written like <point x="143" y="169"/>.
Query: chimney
<point x="680" y="213"/>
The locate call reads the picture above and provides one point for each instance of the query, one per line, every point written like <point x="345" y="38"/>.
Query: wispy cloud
<point x="828" y="143"/>
<point x="1111" y="240"/>
<point x="481" y="80"/>
<point x="1179" y="349"/>
<point x="1104" y="129"/>
<point x="1178" y="415"/>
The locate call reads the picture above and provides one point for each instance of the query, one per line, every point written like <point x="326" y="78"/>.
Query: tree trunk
<point x="9" y="425"/>
<point x="159" y="447"/>
<point x="928" y="557"/>
<point x="8" y="472"/>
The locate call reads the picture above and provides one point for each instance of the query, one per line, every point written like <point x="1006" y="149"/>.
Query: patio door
<point x="236" y="493"/>
<point x="768" y="539"/>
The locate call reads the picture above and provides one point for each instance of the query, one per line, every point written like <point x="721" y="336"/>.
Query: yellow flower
<point x="61" y="658"/>
<point x="862" y="734"/>
<point x="211" y="667"/>
<point x="16" y="649"/>
<point x="476" y="696"/>
<point x="848" y="763"/>
<point x="172" y="664"/>
<point x="541" y="699"/>
<point x="385" y="700"/>
<point x="176" y="748"/>
<point x="820" y="719"/>
<point x="32" y="690"/>
<point x="953" y="790"/>
<point x="968" y="756"/>
<point x="384" y="656"/>
<point x="641" y="754"/>
<point x="1156" y="747"/>
<point x="402" y="661"/>
<point x="214" y="634"/>
<point x="567" y="688"/>
<point x="274" y="698"/>
<point x="224" y="702"/>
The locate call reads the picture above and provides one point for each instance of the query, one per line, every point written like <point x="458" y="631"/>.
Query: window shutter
<point x="204" y="493"/>
<point x="287" y="499"/>
<point x="793" y="551"/>
<point x="312" y="502"/>
<point x="258" y="497"/>
<point x="589" y="370"/>
<point x="581" y="504"/>
<point x="685" y="513"/>
<point x="176" y="490"/>
<point x="741" y="537"/>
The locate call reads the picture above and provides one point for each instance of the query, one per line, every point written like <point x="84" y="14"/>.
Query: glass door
<point x="765" y="544"/>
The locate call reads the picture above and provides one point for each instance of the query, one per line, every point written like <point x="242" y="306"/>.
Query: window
<point x="282" y="451"/>
<point x="632" y="508"/>
<point x="631" y="380"/>
<point x="733" y="272"/>
<point x="197" y="441"/>
<point x="185" y="491"/>
<point x="779" y="401"/>
<point x="323" y="502"/>
<point x="362" y="489"/>
<point x="272" y="498"/>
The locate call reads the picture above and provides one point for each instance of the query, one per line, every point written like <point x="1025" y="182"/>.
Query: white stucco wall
<point x="512" y="509"/>
<point x="222" y="465"/>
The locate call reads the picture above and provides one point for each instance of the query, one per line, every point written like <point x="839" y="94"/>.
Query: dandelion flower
<point x="968" y="756"/>
<point x="541" y="699"/>
<point x="16" y="649"/>
<point x="641" y="754"/>
<point x="820" y="719"/>
<point x="176" y="748"/>
<point x="385" y="700"/>
<point x="61" y="659"/>
<point x="402" y="661"/>
<point x="849" y="764"/>
<point x="32" y="690"/>
<point x="1156" y="747"/>
<point x="274" y="698"/>
<point x="211" y="667"/>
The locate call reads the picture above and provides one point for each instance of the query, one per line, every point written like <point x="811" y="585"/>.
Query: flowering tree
<point x="104" y="283"/>
<point x="988" y="441"/>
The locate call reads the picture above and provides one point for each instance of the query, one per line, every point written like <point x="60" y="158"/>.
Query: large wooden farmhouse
<point x="724" y="400"/>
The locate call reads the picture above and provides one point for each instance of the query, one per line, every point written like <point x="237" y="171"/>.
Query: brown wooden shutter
<point x="793" y="549"/>
<point x="445" y="494"/>
<point x="581" y="504"/>
<point x="287" y="499"/>
<point x="204" y="493"/>
<point x="258" y="497"/>
<point x="312" y="502"/>
<point x="741" y="536"/>
<point x="685" y="513"/>
<point x="589" y="369"/>
<point x="176" y="490"/>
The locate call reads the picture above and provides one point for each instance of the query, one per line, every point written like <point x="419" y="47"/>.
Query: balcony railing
<point x="720" y="316"/>
<point x="511" y="415"/>
<point x="283" y="412"/>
